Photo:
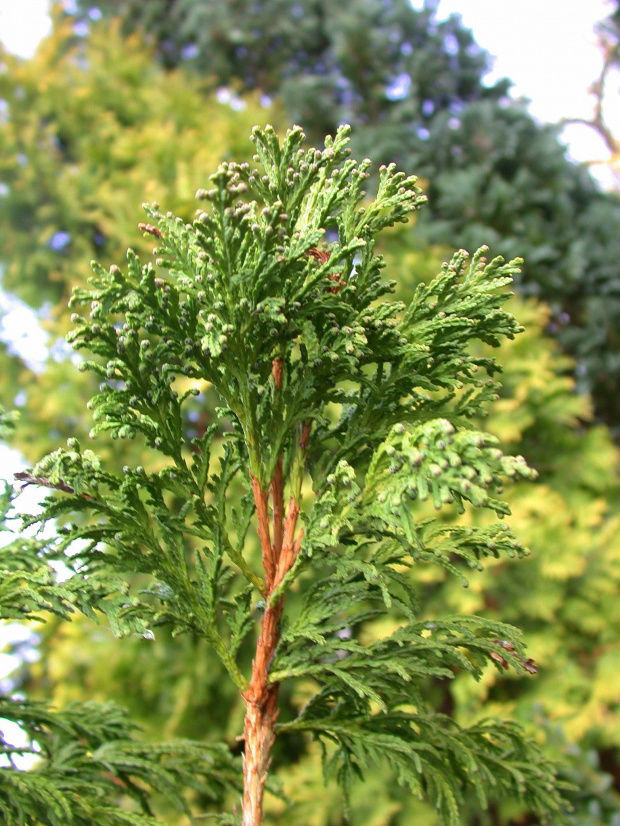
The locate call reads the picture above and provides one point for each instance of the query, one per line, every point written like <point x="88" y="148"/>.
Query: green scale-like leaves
<point x="245" y="286"/>
<point x="273" y="297"/>
<point x="85" y="760"/>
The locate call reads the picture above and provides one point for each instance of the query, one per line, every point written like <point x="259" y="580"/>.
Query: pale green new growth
<point x="273" y="296"/>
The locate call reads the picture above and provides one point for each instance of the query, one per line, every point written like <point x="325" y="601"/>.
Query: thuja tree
<point x="344" y="417"/>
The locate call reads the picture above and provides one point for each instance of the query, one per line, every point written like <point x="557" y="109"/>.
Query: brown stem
<point x="305" y="435"/>
<point x="261" y="711"/>
<point x="30" y="479"/>
<point x="290" y="547"/>
<point x="261" y="498"/>
<point x="151" y="230"/>
<point x="277" y="369"/>
<point x="277" y="498"/>
<point x="277" y="483"/>
<point x="261" y="698"/>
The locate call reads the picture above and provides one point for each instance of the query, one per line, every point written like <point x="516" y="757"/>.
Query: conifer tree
<point x="344" y="415"/>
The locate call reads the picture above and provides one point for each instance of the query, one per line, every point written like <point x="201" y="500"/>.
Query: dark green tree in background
<point x="413" y="89"/>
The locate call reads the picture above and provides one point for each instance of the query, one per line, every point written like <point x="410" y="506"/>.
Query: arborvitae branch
<point x="342" y="413"/>
<point x="86" y="761"/>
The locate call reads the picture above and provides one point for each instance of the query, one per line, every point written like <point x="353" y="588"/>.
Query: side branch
<point x="261" y="498"/>
<point x="597" y="89"/>
<point x="237" y="557"/>
<point x="277" y="498"/>
<point x="30" y="479"/>
<point x="277" y="483"/>
<point x="290" y="545"/>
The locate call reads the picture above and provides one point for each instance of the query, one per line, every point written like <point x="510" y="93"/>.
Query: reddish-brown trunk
<point x="261" y="698"/>
<point x="261" y="711"/>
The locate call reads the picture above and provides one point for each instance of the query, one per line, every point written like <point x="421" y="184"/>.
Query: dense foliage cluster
<point x="412" y="87"/>
<point x="85" y="758"/>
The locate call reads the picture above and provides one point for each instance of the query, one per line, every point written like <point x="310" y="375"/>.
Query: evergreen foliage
<point x="86" y="760"/>
<point x="85" y="763"/>
<point x="174" y="687"/>
<point x="413" y="89"/>
<point x="565" y="599"/>
<point x="352" y="408"/>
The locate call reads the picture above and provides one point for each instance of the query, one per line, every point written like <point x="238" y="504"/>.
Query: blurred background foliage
<point x="141" y="107"/>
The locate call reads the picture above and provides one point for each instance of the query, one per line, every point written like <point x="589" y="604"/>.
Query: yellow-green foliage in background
<point x="566" y="596"/>
<point x="94" y="128"/>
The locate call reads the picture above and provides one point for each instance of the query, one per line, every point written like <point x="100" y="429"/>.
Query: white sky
<point x="22" y="24"/>
<point x="548" y="49"/>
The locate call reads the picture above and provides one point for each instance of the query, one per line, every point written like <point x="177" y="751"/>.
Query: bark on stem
<point x="277" y="483"/>
<point x="261" y="711"/>
<point x="277" y="498"/>
<point x="261" y="499"/>
<point x="261" y="698"/>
